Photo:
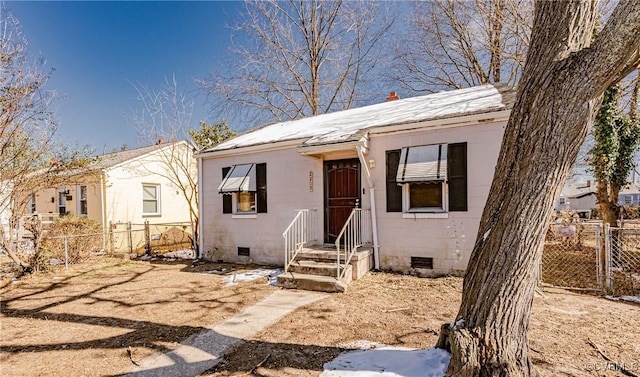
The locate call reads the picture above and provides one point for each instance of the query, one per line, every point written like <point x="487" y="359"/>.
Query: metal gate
<point x="580" y="256"/>
<point x="623" y="260"/>
<point x="572" y="257"/>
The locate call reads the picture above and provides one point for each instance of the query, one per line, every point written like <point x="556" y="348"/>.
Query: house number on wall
<point x="310" y="181"/>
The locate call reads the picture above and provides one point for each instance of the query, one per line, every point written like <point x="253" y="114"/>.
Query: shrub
<point x="83" y="238"/>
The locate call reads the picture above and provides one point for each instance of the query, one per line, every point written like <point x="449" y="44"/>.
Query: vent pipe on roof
<point x="160" y="141"/>
<point x="392" y="97"/>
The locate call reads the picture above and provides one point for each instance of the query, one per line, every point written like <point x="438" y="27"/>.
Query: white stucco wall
<point x="287" y="190"/>
<point x="123" y="184"/>
<point x="449" y="241"/>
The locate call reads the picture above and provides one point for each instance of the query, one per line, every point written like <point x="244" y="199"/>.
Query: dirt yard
<point x="83" y="322"/>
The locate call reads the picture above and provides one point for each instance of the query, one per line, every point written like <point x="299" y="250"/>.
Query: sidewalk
<point x="202" y="351"/>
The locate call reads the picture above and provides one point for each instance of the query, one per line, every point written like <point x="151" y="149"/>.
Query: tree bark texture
<point x="607" y="197"/>
<point x="558" y="97"/>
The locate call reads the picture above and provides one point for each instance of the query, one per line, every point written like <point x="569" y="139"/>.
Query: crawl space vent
<point x="422" y="262"/>
<point x="243" y="251"/>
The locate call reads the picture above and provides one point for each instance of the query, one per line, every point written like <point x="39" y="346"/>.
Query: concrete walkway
<point x="202" y="351"/>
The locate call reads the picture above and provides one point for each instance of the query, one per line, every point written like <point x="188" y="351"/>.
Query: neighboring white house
<point x="578" y="197"/>
<point x="127" y="186"/>
<point x="420" y="168"/>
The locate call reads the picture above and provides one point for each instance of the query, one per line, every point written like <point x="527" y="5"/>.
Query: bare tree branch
<point x="299" y="58"/>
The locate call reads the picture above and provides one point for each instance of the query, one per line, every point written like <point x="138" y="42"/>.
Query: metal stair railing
<point x="297" y="235"/>
<point x="356" y="232"/>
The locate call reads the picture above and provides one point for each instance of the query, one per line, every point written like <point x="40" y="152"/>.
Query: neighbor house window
<point x="32" y="204"/>
<point x="150" y="199"/>
<point x="62" y="201"/>
<point x="427" y="178"/>
<point x="628" y="199"/>
<point x="563" y="201"/>
<point x="82" y="200"/>
<point x="244" y="189"/>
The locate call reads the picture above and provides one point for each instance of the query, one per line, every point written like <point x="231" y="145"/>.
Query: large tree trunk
<point x="558" y="97"/>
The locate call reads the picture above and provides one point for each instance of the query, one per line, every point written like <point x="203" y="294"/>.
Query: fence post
<point x="66" y="253"/>
<point x="104" y="239"/>
<point x="110" y="237"/>
<point x="147" y="237"/>
<point x="599" y="258"/>
<point x="194" y="241"/>
<point x="607" y="257"/>
<point x="129" y="239"/>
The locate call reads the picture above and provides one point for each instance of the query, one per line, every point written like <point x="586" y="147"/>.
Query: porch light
<point x="372" y="163"/>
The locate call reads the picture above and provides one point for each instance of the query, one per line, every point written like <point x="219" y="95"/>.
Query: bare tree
<point x="560" y="91"/>
<point x="456" y="44"/>
<point x="30" y="158"/>
<point x="300" y="58"/>
<point x="164" y="116"/>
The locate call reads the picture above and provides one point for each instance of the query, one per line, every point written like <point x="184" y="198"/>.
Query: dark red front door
<point x="342" y="194"/>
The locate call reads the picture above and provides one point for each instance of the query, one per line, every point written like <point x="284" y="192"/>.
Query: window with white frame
<point x="150" y="199"/>
<point x="82" y="200"/>
<point x="422" y="172"/>
<point x="628" y="199"/>
<point x="563" y="201"/>
<point x="31" y="205"/>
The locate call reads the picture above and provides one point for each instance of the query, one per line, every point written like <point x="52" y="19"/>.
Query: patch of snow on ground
<point x="635" y="299"/>
<point x="272" y="275"/>
<point x="181" y="254"/>
<point x="388" y="362"/>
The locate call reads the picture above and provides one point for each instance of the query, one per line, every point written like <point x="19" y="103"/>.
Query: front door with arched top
<point x="341" y="194"/>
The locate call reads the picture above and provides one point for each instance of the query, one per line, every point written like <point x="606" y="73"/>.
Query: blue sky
<point x="96" y="48"/>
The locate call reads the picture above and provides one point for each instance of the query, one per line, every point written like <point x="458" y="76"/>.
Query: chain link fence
<point x="572" y="256"/>
<point x="623" y="267"/>
<point x="150" y="239"/>
<point x="581" y="256"/>
<point x="117" y="238"/>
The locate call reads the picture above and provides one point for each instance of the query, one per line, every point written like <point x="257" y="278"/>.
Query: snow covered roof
<point x="630" y="189"/>
<point x="111" y="159"/>
<point x="578" y="189"/>
<point x="349" y="125"/>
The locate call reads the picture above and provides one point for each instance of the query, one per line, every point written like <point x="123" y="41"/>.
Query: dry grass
<point x="81" y="323"/>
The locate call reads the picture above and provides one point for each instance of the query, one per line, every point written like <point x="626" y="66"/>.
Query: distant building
<point x="578" y="197"/>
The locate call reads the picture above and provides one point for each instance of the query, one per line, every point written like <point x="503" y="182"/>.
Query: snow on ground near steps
<point x="635" y="299"/>
<point x="379" y="360"/>
<point x="240" y="277"/>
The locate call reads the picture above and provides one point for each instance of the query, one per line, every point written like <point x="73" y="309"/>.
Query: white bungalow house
<point x="133" y="186"/>
<point x="398" y="185"/>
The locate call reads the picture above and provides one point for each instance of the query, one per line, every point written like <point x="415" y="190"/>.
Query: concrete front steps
<point x="315" y="269"/>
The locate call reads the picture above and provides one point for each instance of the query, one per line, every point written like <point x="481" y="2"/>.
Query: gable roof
<point x="629" y="189"/>
<point x="577" y="190"/>
<point x="349" y="125"/>
<point x="112" y="159"/>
